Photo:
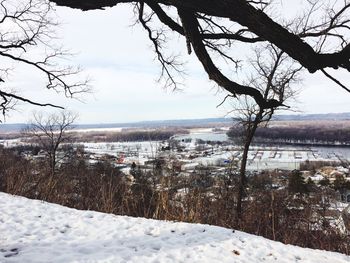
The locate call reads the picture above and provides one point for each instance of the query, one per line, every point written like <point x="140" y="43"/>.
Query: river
<point x="323" y="151"/>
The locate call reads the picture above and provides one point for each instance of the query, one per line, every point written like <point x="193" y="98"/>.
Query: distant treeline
<point x="10" y="136"/>
<point x="295" y="135"/>
<point x="127" y="136"/>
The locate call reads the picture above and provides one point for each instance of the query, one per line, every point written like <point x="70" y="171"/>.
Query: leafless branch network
<point x="171" y="67"/>
<point x="26" y="27"/>
<point x="316" y="38"/>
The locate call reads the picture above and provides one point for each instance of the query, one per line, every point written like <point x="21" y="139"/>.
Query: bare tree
<point x="317" y="38"/>
<point x="50" y="132"/>
<point x="274" y="75"/>
<point x="26" y="27"/>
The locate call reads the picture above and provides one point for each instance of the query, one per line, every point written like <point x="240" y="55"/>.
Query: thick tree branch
<point x="191" y="25"/>
<point x="244" y="13"/>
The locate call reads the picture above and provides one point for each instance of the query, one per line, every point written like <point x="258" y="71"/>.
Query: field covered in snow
<point x="35" y="231"/>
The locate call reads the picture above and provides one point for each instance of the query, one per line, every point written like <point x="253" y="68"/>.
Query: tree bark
<point x="243" y="167"/>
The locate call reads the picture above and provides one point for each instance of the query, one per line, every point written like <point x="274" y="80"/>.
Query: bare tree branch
<point x="170" y="64"/>
<point x="335" y="80"/>
<point x="50" y="132"/>
<point x="217" y="25"/>
<point x="27" y="26"/>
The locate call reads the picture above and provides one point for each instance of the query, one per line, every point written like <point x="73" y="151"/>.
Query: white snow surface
<point x="35" y="231"/>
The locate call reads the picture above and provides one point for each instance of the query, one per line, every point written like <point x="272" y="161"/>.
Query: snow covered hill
<point x="35" y="231"/>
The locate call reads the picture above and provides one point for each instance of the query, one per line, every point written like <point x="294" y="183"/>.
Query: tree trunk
<point x="250" y="132"/>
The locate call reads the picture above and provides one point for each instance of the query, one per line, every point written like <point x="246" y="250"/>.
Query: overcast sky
<point x="120" y="61"/>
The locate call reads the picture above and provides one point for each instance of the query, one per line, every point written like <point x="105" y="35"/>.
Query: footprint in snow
<point x="10" y="253"/>
<point x="89" y="216"/>
<point x="157" y="248"/>
<point x="153" y="232"/>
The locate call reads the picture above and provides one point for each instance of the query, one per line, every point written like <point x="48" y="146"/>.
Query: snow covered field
<point x="147" y="148"/>
<point x="35" y="231"/>
<point x="138" y="152"/>
<point x="119" y="129"/>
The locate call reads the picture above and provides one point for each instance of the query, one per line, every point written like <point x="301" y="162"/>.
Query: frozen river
<point x="286" y="157"/>
<point x="325" y="152"/>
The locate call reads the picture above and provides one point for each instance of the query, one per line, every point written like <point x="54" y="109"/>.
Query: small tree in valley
<point x="50" y="132"/>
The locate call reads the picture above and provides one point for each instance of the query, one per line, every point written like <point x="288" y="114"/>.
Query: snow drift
<point x="35" y="231"/>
